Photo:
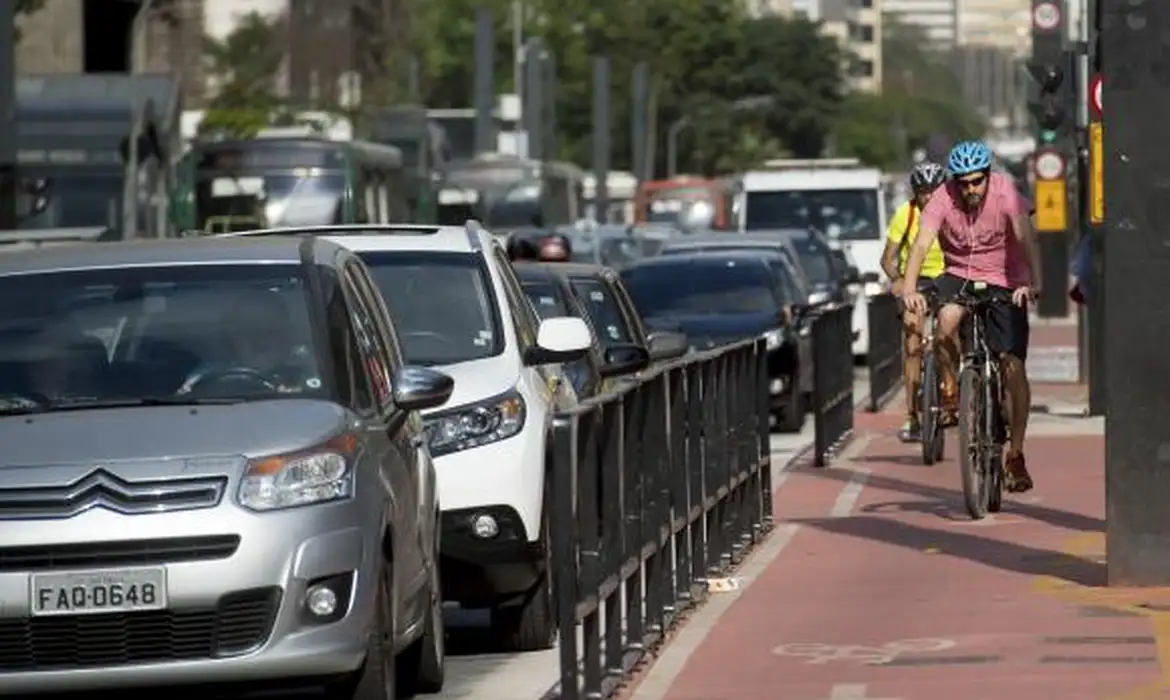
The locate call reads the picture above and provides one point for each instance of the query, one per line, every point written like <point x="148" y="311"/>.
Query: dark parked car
<point x="550" y="293"/>
<point x="718" y="298"/>
<point x="614" y="315"/>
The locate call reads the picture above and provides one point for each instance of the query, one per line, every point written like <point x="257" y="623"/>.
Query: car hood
<point x="140" y="438"/>
<point x="478" y="380"/>
<point x="701" y="329"/>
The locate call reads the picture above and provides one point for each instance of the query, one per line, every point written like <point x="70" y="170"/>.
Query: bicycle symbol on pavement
<point x="815" y="653"/>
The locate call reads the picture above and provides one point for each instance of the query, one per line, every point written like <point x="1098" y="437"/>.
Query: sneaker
<point x="1016" y="470"/>
<point x="911" y="431"/>
<point x="949" y="415"/>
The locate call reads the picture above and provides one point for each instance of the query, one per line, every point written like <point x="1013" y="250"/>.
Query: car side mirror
<point x="559" y="340"/>
<point x="869" y="278"/>
<point x="624" y="358"/>
<point x="420" y="388"/>
<point x="851" y="276"/>
<point x="667" y="345"/>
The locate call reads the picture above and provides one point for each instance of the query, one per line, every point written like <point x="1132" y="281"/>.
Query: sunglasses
<point x="972" y="183"/>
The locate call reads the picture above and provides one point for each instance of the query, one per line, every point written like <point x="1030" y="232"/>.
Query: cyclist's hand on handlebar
<point x="914" y="301"/>
<point x="1022" y="296"/>
<point x="896" y="287"/>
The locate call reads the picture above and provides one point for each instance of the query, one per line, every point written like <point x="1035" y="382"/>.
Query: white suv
<point x="458" y="306"/>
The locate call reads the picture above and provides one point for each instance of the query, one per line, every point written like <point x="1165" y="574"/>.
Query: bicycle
<point x="929" y="396"/>
<point x="982" y="429"/>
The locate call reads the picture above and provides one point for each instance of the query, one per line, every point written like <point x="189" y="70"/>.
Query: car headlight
<point x="316" y="475"/>
<point x="774" y="338"/>
<point x="471" y="426"/>
<point x="872" y="289"/>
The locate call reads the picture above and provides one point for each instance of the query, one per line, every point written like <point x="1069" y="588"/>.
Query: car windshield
<point x="241" y="201"/>
<point x="614" y="251"/>
<point x="701" y="288"/>
<point x="848" y="215"/>
<point x="441" y="305"/>
<point x="788" y="291"/>
<point x="546" y="298"/>
<point x="604" y="311"/>
<point x="156" y="334"/>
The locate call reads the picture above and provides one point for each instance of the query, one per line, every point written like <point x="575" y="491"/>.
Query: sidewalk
<point x="876" y="585"/>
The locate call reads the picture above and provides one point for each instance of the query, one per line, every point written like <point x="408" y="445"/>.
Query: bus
<point x="225" y="186"/>
<point x="509" y="192"/>
<point x="690" y="203"/>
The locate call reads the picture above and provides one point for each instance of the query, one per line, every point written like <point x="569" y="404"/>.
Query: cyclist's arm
<point x="1025" y="233"/>
<point x="894" y="234"/>
<point x="928" y="226"/>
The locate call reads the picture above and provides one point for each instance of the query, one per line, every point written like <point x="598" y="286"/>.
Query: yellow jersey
<point x="905" y="225"/>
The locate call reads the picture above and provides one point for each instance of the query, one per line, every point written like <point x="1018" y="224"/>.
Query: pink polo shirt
<point x="980" y="246"/>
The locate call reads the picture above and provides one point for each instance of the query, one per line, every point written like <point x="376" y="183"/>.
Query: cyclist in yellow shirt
<point x="924" y="180"/>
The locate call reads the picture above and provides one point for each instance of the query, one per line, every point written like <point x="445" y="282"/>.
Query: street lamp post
<point x="137" y="58"/>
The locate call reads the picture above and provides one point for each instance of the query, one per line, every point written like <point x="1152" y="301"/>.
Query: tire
<point x="531" y="625"/>
<point x="377" y="677"/>
<point x="928" y="411"/>
<point x="970" y="450"/>
<point x="423" y="667"/>
<point x="995" y="476"/>
<point x="791" y="418"/>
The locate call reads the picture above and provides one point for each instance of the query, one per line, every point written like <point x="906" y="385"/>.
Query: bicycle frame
<point x="977" y="355"/>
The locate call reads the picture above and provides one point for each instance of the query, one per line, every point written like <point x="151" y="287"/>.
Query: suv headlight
<point x="819" y="296"/>
<point x="872" y="289"/>
<point x="478" y="424"/>
<point x="317" y="475"/>
<point x="774" y="338"/>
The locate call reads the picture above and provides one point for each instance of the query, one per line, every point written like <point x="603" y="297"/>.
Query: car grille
<point x="97" y="555"/>
<point x="240" y="622"/>
<point x="102" y="489"/>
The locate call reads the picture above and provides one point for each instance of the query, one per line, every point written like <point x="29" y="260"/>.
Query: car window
<point x="441" y="305"/>
<point x="788" y="293"/>
<point x="125" y="334"/>
<point x="546" y="298"/>
<point x="702" y="288"/>
<point x="353" y="385"/>
<point x="603" y="309"/>
<point x="523" y="315"/>
<point x="369" y="346"/>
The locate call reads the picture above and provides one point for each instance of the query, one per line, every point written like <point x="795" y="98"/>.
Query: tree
<point x="244" y="65"/>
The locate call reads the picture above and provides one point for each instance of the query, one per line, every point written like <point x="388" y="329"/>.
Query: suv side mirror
<point x="624" y="358"/>
<point x="420" y="388"/>
<point x="559" y="340"/>
<point x="870" y="278"/>
<point x="667" y="345"/>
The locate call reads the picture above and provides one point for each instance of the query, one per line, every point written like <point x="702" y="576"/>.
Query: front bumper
<point x="235" y="616"/>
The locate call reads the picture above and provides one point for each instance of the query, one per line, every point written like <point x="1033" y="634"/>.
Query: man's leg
<point x="1008" y="333"/>
<point x="911" y="371"/>
<point x="950" y="318"/>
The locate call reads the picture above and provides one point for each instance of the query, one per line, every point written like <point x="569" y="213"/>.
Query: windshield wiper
<point x="87" y="404"/>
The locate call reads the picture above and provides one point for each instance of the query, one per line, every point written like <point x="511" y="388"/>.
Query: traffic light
<point x="1052" y="108"/>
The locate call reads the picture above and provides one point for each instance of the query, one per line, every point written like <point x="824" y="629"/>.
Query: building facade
<point x="863" y="22"/>
<point x="939" y="19"/>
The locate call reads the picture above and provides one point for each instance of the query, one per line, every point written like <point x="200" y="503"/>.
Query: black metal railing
<point x="657" y="488"/>
<point x="832" y="403"/>
<point x="884" y="359"/>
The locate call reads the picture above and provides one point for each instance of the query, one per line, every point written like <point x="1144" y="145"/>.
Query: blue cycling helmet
<point x="969" y="157"/>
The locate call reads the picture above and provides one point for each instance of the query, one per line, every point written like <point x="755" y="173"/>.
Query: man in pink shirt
<point x="984" y="228"/>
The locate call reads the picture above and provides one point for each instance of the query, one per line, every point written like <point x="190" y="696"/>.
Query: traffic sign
<point x="1049" y="165"/>
<point x="1095" y="89"/>
<point x="1046" y="16"/>
<point x="1096" y="173"/>
<point x="1051" y="206"/>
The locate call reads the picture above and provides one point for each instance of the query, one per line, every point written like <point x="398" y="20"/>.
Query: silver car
<point x="213" y="471"/>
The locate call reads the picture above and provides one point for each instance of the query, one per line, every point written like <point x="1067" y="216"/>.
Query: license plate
<point x="94" y="592"/>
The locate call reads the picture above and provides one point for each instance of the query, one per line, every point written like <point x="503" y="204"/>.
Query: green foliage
<point x="704" y="56"/>
<point x="921" y="96"/>
<point x="245" y="64"/>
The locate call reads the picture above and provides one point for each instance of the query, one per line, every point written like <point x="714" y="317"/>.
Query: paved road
<point x="473" y="673"/>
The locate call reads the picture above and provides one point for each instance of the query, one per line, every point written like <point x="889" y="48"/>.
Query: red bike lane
<point x="881" y="587"/>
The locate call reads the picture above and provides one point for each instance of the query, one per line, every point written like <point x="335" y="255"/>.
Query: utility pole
<point x="1137" y="302"/>
<point x="484" y="98"/>
<point x="1094" y="219"/>
<point x="8" y="175"/>
<point x="1050" y="68"/>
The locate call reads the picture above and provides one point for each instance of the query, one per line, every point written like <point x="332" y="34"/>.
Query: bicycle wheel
<point x="928" y="408"/>
<point x="994" y="427"/>
<point x="971" y="461"/>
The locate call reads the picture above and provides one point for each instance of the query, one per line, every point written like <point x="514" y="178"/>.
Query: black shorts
<point x="925" y="284"/>
<point x="1007" y="325"/>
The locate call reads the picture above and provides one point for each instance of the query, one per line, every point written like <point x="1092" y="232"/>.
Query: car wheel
<point x="424" y="664"/>
<point x="792" y="416"/>
<point x="531" y="625"/>
<point x="375" y="680"/>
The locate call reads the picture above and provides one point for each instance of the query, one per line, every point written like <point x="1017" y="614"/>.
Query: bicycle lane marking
<point x="1127" y="601"/>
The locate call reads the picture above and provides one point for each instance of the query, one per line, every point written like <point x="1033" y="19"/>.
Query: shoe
<point x="949" y="415"/>
<point x="911" y="431"/>
<point x="1015" y="467"/>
